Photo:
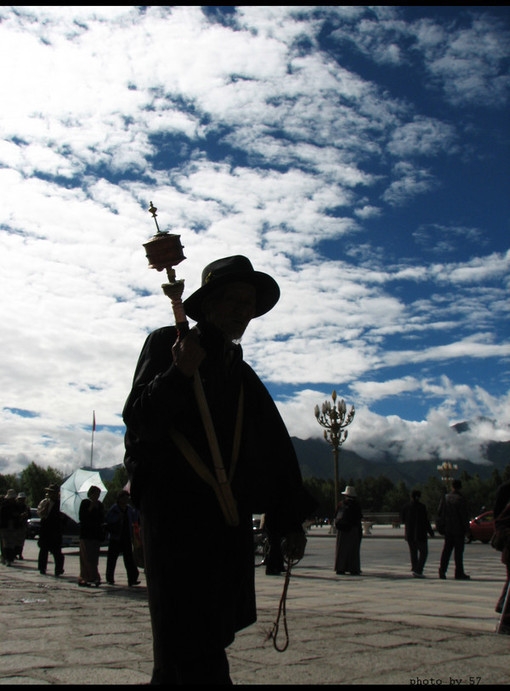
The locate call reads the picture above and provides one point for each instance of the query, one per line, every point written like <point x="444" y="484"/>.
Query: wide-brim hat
<point x="349" y="491"/>
<point x="52" y="488"/>
<point x="11" y="494"/>
<point x="231" y="270"/>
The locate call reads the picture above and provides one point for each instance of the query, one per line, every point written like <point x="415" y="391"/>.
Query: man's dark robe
<point x="200" y="572"/>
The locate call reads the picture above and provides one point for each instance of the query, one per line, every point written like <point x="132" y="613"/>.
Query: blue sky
<point x="360" y="155"/>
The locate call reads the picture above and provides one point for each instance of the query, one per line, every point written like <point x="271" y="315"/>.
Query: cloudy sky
<point x="360" y="155"/>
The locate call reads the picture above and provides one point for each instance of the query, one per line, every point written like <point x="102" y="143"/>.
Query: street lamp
<point x="334" y="418"/>
<point x="446" y="470"/>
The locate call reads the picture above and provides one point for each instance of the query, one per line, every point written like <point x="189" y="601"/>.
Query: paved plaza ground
<point x="382" y="627"/>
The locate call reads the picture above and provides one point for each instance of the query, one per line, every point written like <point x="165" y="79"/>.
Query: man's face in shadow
<point x="231" y="309"/>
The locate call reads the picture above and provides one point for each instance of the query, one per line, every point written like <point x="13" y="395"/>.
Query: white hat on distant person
<point x="349" y="491"/>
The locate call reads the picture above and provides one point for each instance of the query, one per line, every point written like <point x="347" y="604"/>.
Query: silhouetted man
<point x="453" y="507"/>
<point x="417" y="529"/>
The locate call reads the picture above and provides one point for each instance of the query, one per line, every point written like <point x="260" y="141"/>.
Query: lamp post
<point x="334" y="418"/>
<point x="446" y="470"/>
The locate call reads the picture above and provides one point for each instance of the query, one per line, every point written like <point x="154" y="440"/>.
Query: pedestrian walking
<point x="92" y="533"/>
<point x="50" y="532"/>
<point x="417" y="529"/>
<point x="453" y="510"/>
<point x="119" y="525"/>
<point x="206" y="448"/>
<point x="21" y="525"/>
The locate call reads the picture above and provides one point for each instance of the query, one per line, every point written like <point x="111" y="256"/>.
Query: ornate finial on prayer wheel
<point x="152" y="210"/>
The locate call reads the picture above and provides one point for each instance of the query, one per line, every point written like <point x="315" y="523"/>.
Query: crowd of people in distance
<point x="118" y="528"/>
<point x="452" y="523"/>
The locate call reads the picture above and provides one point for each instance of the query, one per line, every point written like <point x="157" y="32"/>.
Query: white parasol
<point x="75" y="488"/>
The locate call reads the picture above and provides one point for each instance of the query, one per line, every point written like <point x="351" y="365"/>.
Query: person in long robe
<point x="50" y="534"/>
<point x="349" y="534"/>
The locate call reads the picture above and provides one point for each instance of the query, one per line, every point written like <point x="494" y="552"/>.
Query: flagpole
<point x="92" y="441"/>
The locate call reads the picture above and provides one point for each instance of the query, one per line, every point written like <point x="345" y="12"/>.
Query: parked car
<point x="33" y="525"/>
<point x="482" y="527"/>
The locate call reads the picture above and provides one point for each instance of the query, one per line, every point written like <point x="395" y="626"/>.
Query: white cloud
<point x="423" y="137"/>
<point x="409" y="181"/>
<point x="253" y="141"/>
<point x="468" y="62"/>
<point x="480" y="268"/>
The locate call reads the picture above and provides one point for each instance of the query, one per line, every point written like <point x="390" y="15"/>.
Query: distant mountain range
<point x="316" y="459"/>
